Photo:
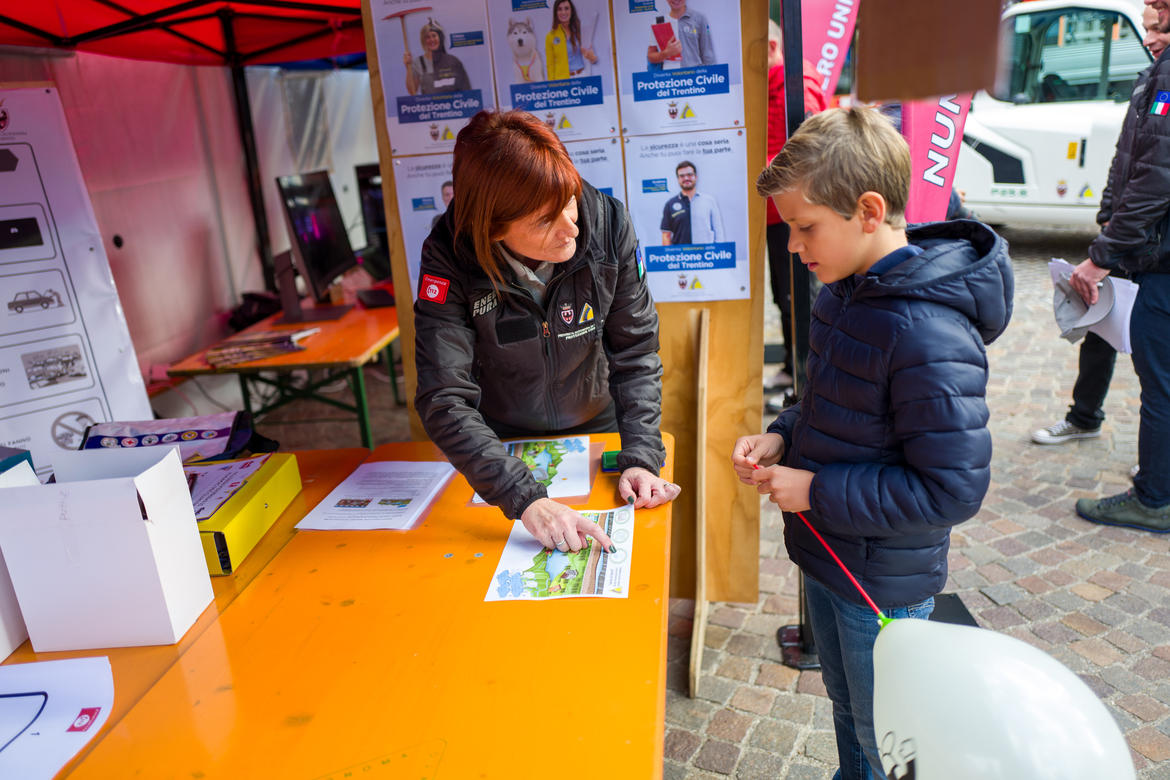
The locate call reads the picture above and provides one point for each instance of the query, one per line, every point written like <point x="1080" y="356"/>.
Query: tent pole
<point x="248" y="139"/>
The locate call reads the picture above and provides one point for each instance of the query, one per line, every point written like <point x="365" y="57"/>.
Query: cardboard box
<point x="12" y="630"/>
<point x="109" y="555"/>
<point x="235" y="528"/>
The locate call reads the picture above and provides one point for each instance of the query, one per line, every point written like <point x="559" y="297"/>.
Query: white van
<point x="1037" y="151"/>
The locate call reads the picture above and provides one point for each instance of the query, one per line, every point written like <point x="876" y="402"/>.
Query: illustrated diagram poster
<point x="688" y="201"/>
<point x="600" y="163"/>
<point x="424" y="190"/>
<point x="66" y="360"/>
<point x="561" y="465"/>
<point x="49" y="710"/>
<point x="436" y="70"/>
<point x="554" y="59"/>
<point x="679" y="65"/>
<point x="527" y="570"/>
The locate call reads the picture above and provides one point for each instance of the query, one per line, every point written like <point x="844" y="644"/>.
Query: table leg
<point x="388" y="356"/>
<point x="363" y="408"/>
<point x="244" y="391"/>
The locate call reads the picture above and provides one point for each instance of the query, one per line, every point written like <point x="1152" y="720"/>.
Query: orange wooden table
<point x="136" y="669"/>
<point x="341" y="348"/>
<point x="372" y="654"/>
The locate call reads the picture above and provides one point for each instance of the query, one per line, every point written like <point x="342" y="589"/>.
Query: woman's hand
<point x="558" y="527"/>
<point x="644" y="490"/>
<point x="588" y="54"/>
<point x="763" y="449"/>
<point x="786" y="488"/>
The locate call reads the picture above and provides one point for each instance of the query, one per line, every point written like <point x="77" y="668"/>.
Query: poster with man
<point x="424" y="190"/>
<point x="554" y="59"/>
<point x="436" y="70"/>
<point x="678" y="65"/>
<point x="600" y="163"/>
<point x="689" y="206"/>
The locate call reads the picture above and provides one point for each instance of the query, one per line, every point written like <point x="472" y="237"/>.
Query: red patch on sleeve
<point x="433" y="288"/>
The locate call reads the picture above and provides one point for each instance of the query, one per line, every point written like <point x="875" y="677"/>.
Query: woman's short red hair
<point x="508" y="165"/>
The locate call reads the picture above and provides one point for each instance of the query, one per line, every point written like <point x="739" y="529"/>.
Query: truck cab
<point x="1036" y="150"/>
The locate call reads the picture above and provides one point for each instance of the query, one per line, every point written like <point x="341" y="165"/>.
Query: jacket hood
<point x="964" y="265"/>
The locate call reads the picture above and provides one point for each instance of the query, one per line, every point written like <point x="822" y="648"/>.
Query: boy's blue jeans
<point x="844" y="633"/>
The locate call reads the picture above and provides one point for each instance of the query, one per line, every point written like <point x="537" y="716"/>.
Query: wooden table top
<point x="136" y="669"/>
<point x="374" y="654"/>
<point x="351" y="341"/>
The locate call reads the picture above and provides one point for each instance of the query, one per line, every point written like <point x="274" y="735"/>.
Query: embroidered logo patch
<point x="433" y="288"/>
<point x="586" y="314"/>
<point x="1161" y="106"/>
<point x="567" y="313"/>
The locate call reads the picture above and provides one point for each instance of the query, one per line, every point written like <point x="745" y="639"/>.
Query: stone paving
<point x="1096" y="598"/>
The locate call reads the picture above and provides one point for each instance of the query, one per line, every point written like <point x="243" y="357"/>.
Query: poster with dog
<point x="599" y="161"/>
<point x="424" y="190"/>
<point x="554" y="59"/>
<point x="436" y="70"/>
<point x="687" y="198"/>
<point x="679" y="65"/>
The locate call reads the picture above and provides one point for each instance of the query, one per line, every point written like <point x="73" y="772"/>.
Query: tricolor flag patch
<point x="1161" y="106"/>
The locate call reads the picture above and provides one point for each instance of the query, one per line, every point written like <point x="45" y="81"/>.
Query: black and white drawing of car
<point x="28" y="299"/>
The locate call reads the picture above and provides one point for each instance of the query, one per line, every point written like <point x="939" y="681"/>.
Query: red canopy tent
<point x="197" y="32"/>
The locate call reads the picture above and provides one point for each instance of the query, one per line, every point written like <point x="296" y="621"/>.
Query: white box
<point x="12" y="630"/>
<point x="109" y="555"/>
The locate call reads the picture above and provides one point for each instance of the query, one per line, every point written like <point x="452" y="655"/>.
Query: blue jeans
<point x="1149" y="325"/>
<point x="844" y="633"/>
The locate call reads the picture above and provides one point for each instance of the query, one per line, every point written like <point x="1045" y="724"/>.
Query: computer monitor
<point x="376" y="254"/>
<point x="319" y="242"/>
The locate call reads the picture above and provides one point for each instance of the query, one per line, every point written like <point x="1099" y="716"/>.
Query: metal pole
<point x="248" y="140"/>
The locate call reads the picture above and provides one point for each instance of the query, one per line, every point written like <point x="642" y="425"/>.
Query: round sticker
<point x="189" y="435"/>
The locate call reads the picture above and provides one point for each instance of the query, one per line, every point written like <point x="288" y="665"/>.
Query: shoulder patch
<point x="1161" y="104"/>
<point x="433" y="288"/>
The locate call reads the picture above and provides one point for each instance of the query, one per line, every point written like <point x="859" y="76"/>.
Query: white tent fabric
<point x="161" y="156"/>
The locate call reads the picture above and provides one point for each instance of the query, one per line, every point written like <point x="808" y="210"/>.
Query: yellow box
<point x="235" y="528"/>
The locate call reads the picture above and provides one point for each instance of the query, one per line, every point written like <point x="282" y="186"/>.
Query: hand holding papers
<point x="381" y="494"/>
<point x="527" y="570"/>
<point x="1108" y="318"/>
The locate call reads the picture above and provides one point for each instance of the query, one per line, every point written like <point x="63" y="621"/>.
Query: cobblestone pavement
<point x="1094" y="597"/>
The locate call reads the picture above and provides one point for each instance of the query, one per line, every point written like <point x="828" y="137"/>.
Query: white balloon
<point x="960" y="703"/>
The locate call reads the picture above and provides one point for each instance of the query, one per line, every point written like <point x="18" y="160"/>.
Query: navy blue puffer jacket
<point x="893" y="420"/>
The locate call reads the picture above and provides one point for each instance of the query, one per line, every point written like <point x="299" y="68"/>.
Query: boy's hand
<point x="763" y="449"/>
<point x="786" y="488"/>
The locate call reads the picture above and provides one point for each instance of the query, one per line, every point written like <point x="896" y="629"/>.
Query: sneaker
<point x="1134" y="469"/>
<point x="780" y="402"/>
<point x="1126" y="510"/>
<point x="778" y="381"/>
<point x="1063" y="431"/>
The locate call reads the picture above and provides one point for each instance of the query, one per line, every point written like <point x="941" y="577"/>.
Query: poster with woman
<point x="424" y="190"/>
<point x="689" y="205"/>
<point x="679" y="65"/>
<point x="554" y="59"/>
<point x="436" y="70"/>
<point x="600" y="163"/>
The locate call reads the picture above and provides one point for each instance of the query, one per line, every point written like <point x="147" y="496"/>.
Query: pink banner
<point x="828" y="31"/>
<point x="934" y="130"/>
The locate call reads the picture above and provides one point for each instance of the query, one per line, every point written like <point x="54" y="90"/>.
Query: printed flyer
<point x="689" y="205"/>
<point x="600" y="163"/>
<point x="527" y="570"/>
<point x="554" y="59"/>
<point x="679" y="65"/>
<point x="561" y="465"/>
<point x="436" y="70"/>
<point x="424" y="190"/>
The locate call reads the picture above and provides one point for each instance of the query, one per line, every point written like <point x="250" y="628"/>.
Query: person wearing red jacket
<point x="778" y="264"/>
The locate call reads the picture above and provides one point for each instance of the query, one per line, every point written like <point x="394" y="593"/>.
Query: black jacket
<point x="489" y="360"/>
<point x="893" y="420"/>
<point x="1136" y="201"/>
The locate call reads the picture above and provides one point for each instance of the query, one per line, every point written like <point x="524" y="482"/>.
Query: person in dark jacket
<point x="888" y="447"/>
<point x="1097" y="356"/>
<point x="1137" y="240"/>
<point x="534" y="319"/>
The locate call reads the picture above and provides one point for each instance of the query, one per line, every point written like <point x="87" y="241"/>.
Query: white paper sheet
<point x="212" y="484"/>
<point x="1115" y="327"/>
<point x="49" y="710"/>
<point x="527" y="570"/>
<point x="383" y="494"/>
<point x="561" y="465"/>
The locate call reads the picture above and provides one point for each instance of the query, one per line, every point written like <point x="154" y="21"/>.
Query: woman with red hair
<point x="534" y="319"/>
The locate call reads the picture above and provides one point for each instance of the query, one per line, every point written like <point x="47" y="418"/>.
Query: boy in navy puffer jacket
<point x="888" y="447"/>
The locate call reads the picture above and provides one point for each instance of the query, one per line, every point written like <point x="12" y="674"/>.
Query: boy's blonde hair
<point x="837" y="155"/>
